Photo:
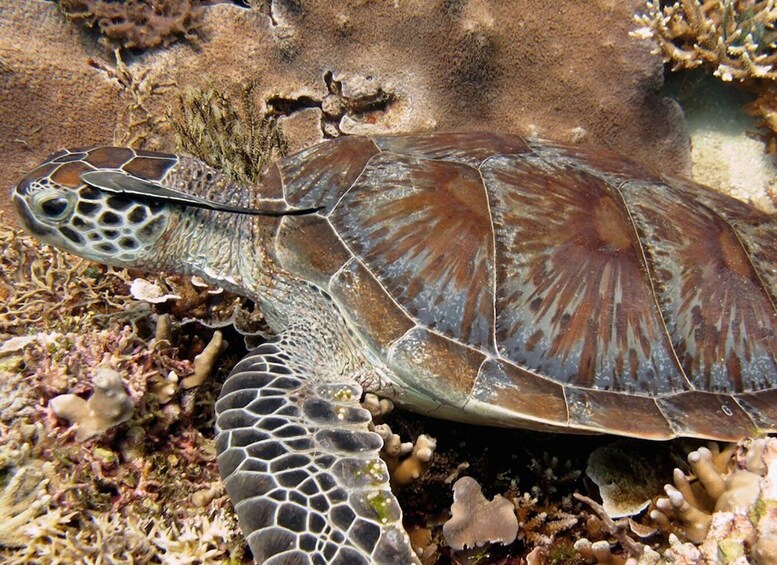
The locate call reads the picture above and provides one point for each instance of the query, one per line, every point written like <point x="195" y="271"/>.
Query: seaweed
<point x="232" y="137"/>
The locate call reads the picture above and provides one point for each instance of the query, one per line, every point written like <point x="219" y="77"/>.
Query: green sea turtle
<point x="477" y="277"/>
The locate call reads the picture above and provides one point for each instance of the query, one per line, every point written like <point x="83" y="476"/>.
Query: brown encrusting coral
<point x="137" y="24"/>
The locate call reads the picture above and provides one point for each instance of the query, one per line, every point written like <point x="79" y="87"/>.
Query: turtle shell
<point x="529" y="284"/>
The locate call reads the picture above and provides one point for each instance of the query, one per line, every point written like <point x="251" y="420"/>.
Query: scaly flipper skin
<point x="301" y="467"/>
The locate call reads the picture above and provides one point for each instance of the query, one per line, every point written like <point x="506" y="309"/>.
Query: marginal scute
<point x="573" y="296"/>
<point x="308" y="247"/>
<point x="423" y="228"/>
<point x="761" y="407"/>
<point x="721" y="319"/>
<point x="470" y="148"/>
<point x="320" y="175"/>
<point x="707" y="415"/>
<point x="616" y="413"/>
<point x="535" y="398"/>
<point x="369" y="307"/>
<point x="443" y="369"/>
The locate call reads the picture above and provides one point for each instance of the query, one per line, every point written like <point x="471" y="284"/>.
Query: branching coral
<point x="723" y="512"/>
<point x="734" y="37"/>
<point x="42" y="288"/>
<point x="137" y="24"/>
<point x="406" y="461"/>
<point x="712" y="487"/>
<point x="205" y="361"/>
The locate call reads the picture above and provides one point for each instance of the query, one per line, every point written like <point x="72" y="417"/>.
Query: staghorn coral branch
<point x="734" y="37"/>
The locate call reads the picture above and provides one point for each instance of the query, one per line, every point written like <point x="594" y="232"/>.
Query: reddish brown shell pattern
<point x="523" y="283"/>
<point x="530" y="284"/>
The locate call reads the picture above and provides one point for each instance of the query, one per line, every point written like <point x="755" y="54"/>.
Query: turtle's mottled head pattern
<point x="56" y="204"/>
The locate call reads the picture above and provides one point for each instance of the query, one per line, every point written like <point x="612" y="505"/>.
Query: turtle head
<point x="153" y="211"/>
<point x="57" y="204"/>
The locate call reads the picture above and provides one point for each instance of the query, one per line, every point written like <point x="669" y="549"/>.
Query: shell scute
<point x="606" y="164"/>
<point x="308" y="247"/>
<point x="707" y="415"/>
<point x="320" y="175"/>
<point x="370" y="307"/>
<point x="443" y="369"/>
<point x="616" y="413"/>
<point x="761" y="406"/>
<point x="720" y="317"/>
<point x="424" y="229"/>
<point x="538" y="399"/>
<point x="574" y="300"/>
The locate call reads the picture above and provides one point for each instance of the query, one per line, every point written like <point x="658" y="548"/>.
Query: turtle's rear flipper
<point x="301" y="467"/>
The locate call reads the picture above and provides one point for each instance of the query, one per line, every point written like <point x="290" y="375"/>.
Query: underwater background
<point x="240" y="84"/>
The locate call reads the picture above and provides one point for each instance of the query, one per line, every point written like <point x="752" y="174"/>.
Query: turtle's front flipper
<point x="301" y="467"/>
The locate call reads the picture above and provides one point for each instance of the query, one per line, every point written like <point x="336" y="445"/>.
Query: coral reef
<point x="322" y="68"/>
<point x="722" y="512"/>
<point x="475" y="520"/>
<point x="137" y="24"/>
<point x="108" y="406"/>
<point x="107" y="499"/>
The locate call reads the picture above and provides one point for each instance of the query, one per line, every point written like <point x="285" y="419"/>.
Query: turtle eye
<point x="54" y="207"/>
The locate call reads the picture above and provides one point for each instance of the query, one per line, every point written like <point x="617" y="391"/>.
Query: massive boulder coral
<point x="325" y="68"/>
